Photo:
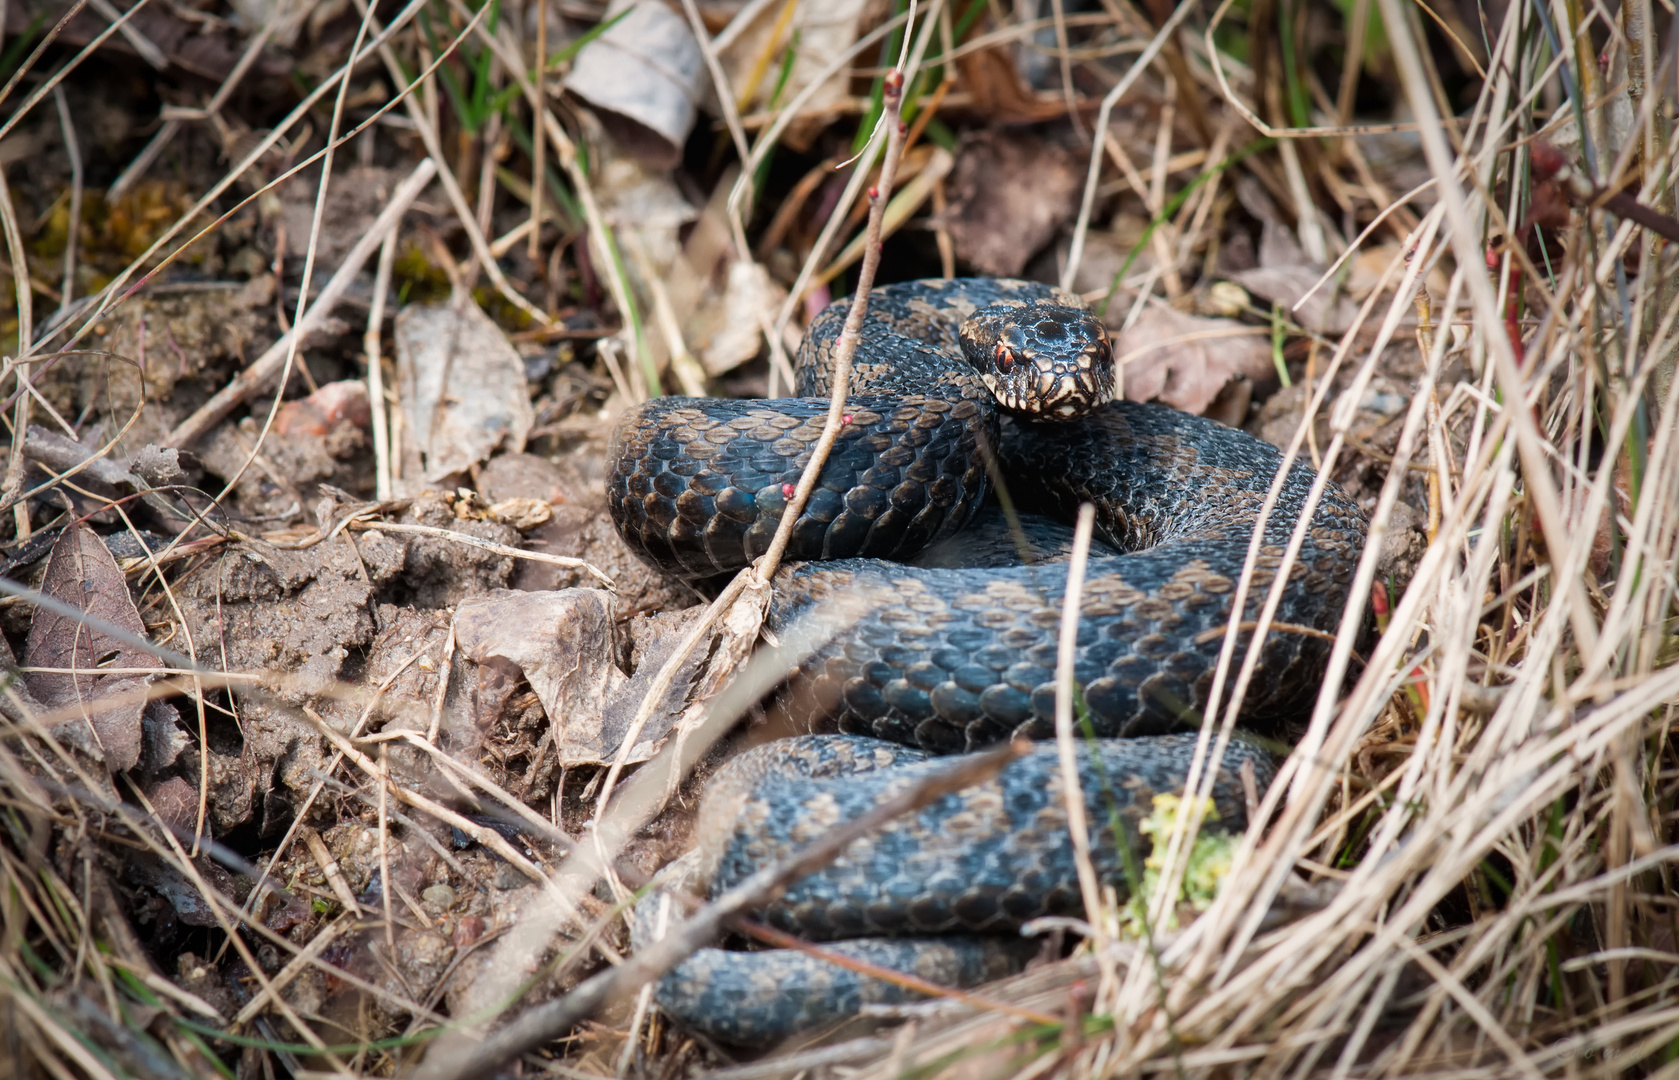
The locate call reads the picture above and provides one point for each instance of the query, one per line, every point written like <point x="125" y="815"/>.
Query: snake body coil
<point x="954" y="383"/>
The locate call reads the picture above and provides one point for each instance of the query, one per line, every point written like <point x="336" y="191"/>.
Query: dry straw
<point x="1478" y="808"/>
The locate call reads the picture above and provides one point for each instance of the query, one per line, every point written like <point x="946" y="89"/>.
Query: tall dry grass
<point x="1466" y="868"/>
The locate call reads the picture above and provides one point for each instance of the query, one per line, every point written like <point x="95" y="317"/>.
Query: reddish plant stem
<point x="846" y="347"/>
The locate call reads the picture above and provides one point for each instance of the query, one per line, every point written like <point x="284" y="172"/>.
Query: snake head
<point x="1045" y="361"/>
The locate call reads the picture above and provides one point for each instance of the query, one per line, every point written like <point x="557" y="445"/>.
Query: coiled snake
<point x="922" y="627"/>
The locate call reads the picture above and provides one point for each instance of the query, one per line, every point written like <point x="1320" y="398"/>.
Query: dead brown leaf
<point x="82" y="574"/>
<point x="1188" y="361"/>
<point x="1009" y="195"/>
<point x="563" y="643"/>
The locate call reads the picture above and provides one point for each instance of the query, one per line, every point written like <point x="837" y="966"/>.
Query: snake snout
<point x="1045" y="360"/>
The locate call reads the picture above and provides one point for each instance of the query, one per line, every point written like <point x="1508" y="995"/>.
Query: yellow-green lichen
<point x="1209" y="863"/>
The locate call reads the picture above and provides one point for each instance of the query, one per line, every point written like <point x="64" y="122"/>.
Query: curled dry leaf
<point x="722" y="300"/>
<point x="643" y="76"/>
<point x="463" y="386"/>
<point x="82" y="574"/>
<point x="726" y="329"/>
<point x="1187" y="361"/>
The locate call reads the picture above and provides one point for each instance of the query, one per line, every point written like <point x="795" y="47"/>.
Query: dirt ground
<point x="330" y="435"/>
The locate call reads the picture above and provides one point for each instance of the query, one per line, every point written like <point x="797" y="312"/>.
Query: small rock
<point x="1224" y="299"/>
<point x="468" y="930"/>
<point x="439" y="896"/>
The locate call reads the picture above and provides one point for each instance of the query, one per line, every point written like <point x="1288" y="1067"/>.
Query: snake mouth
<point x="1044" y="361"/>
<point x="1051" y="396"/>
<point x="1045" y="388"/>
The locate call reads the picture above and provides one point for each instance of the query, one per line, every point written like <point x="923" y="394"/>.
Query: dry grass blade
<point x="1078" y="826"/>
<point x="1467" y="865"/>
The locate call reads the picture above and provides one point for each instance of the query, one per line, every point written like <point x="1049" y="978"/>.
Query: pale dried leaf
<point x="644" y="201"/>
<point x="1327" y="311"/>
<point x="643" y="76"/>
<point x="727" y="330"/>
<point x="1186" y="361"/>
<point x="463" y="386"/>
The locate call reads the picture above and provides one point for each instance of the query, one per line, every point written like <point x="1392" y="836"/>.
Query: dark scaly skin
<point x="952" y="659"/>
<point x="984" y="860"/>
<point x="699" y="484"/>
<point x="979" y="862"/>
<point x="759" y="998"/>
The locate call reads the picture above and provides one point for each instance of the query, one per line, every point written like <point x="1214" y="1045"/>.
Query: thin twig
<point x="846" y="347"/>
<point x="539" y="137"/>
<point x="1078" y="826"/>
<point x="370" y="342"/>
<point x="758" y="576"/>
<point x="13" y="489"/>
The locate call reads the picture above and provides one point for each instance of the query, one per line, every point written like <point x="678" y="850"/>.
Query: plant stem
<point x="846" y="347"/>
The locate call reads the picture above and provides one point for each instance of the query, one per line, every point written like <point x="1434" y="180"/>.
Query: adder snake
<point x="923" y="627"/>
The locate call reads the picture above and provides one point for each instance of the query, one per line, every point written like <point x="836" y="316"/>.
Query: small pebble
<point x="1383" y="404"/>
<point x="468" y="930"/>
<point x="439" y="896"/>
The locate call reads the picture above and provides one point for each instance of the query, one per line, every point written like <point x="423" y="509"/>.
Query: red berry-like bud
<point x="846" y="419"/>
<point x="786" y="491"/>
<point x="1492" y="258"/>
<point x="1547" y="160"/>
<point x="874" y="193"/>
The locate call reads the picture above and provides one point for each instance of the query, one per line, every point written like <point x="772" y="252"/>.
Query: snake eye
<point x="1004" y="359"/>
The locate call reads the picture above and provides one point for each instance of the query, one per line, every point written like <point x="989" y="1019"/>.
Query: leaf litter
<point x="401" y="658"/>
<point x="76" y="665"/>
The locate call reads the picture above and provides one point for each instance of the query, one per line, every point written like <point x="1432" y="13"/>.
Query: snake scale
<point x="925" y="622"/>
